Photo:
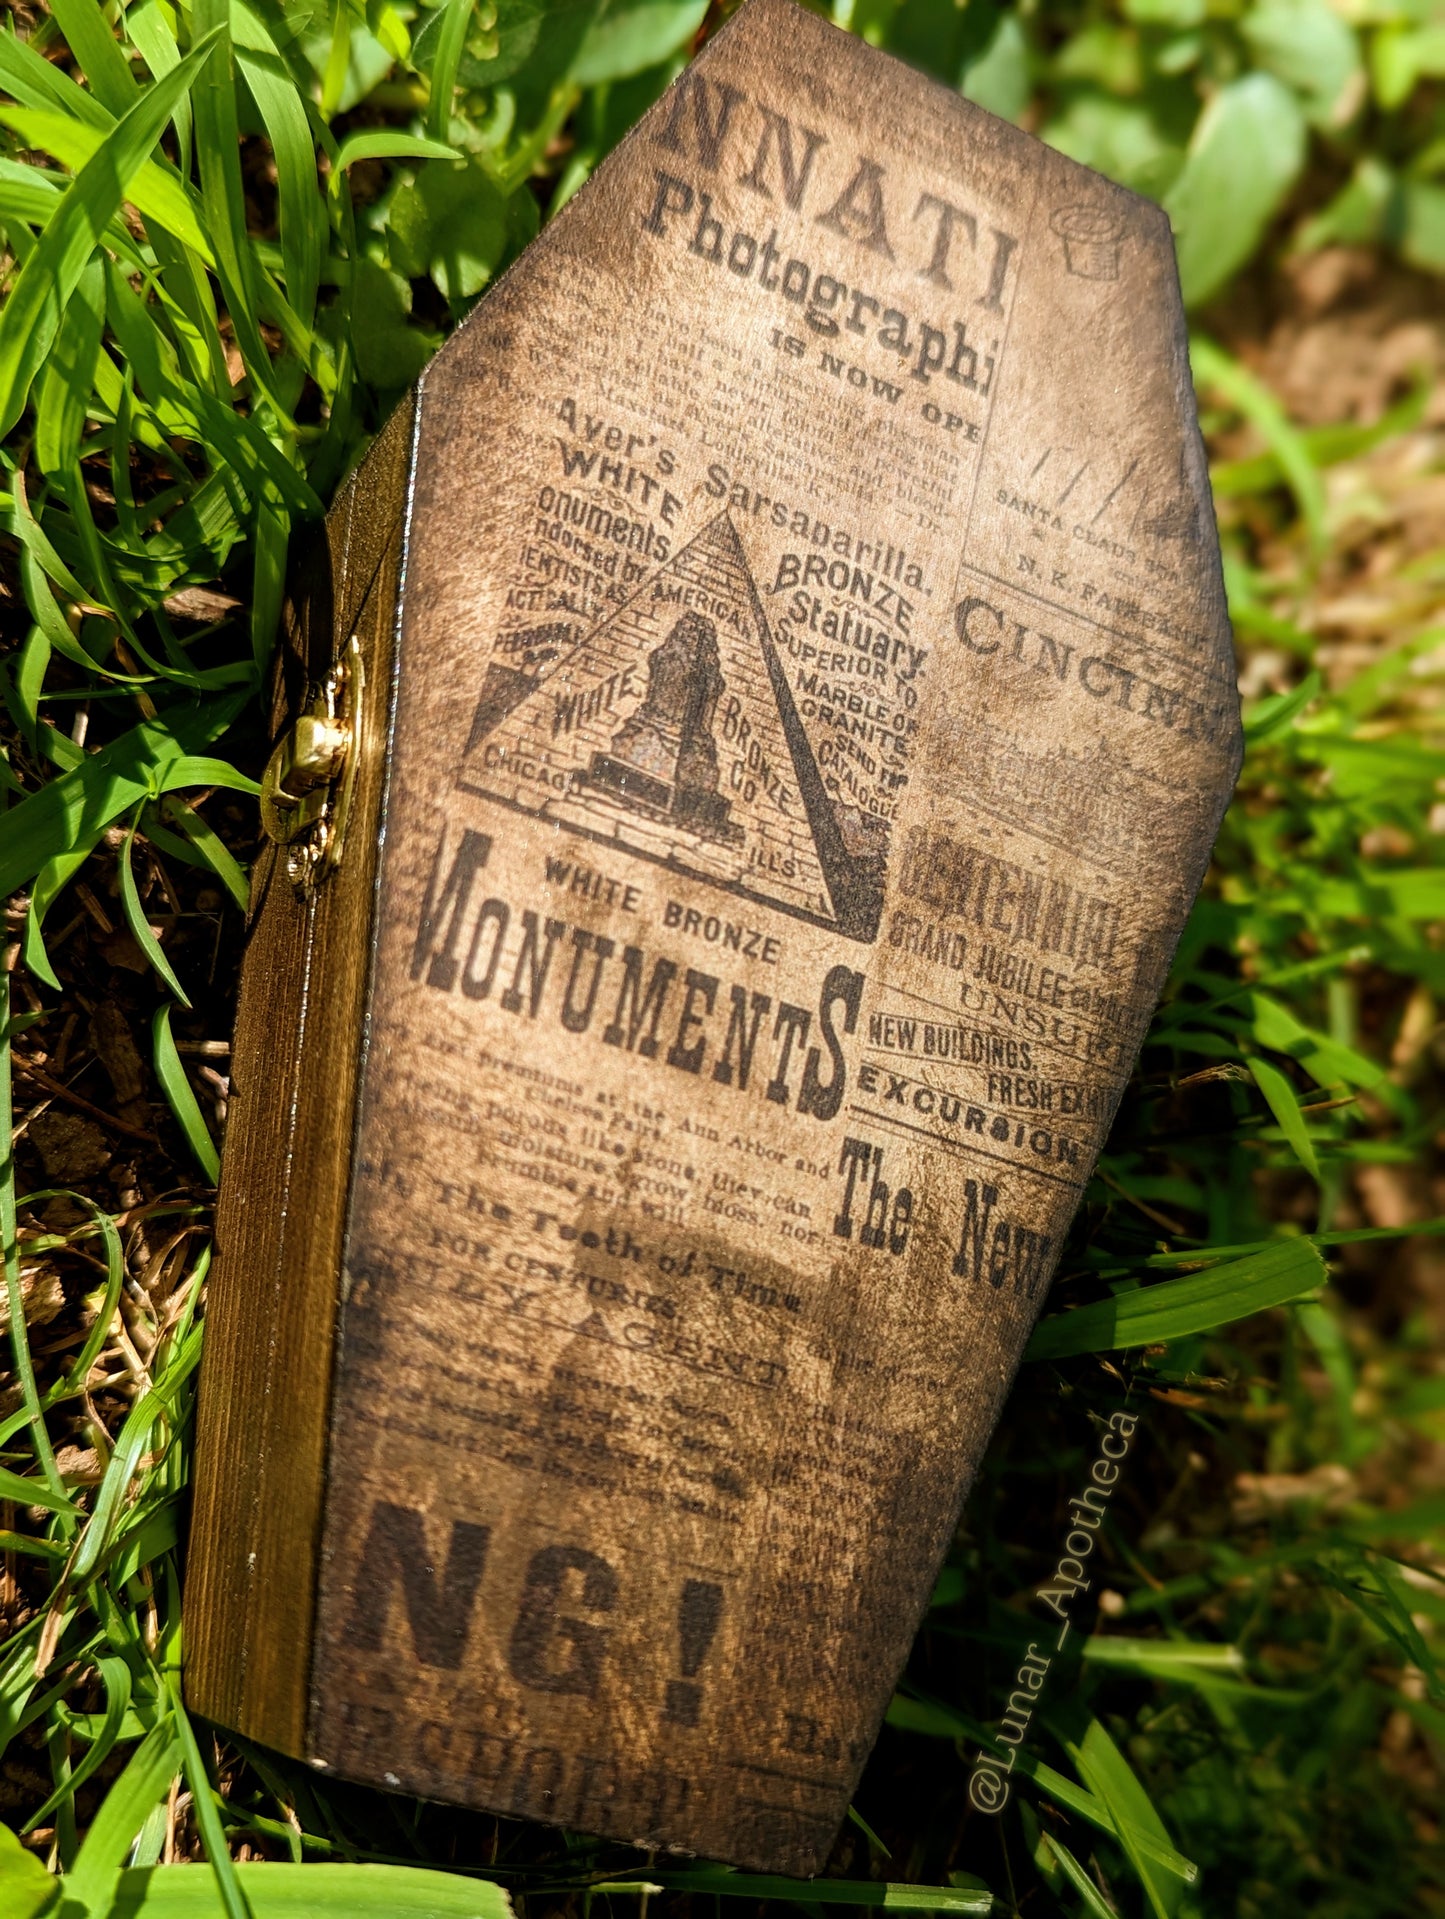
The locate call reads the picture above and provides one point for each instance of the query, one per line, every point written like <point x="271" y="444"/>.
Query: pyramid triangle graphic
<point x="670" y="730"/>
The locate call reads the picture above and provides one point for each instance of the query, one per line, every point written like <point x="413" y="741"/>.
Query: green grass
<point x="232" y="234"/>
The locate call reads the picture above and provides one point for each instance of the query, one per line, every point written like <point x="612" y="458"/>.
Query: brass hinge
<point x="307" y="788"/>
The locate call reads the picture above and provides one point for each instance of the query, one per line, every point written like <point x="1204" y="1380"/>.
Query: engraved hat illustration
<point x="670" y="729"/>
<point x="1091" y="237"/>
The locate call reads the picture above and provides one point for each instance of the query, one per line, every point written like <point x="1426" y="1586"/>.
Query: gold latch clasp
<point x="307" y="788"/>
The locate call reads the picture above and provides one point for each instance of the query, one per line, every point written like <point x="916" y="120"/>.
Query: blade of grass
<point x="1327" y="1060"/>
<point x="38" y="565"/>
<point x="70" y="375"/>
<point x="15" y="1300"/>
<point x="155" y="191"/>
<point x="1163" y="1655"/>
<point x="205" y="846"/>
<point x="1325" y="445"/>
<point x="208" y="1819"/>
<point x="199" y="769"/>
<point x="17" y="1676"/>
<point x="1093" y="1901"/>
<point x="879" y="1895"/>
<point x="115" y="1677"/>
<point x="38" y="298"/>
<point x="66" y="400"/>
<point x="74" y="1379"/>
<point x="388" y="145"/>
<point x="26" y="1888"/>
<point x="91" y="1886"/>
<point x="177" y="1089"/>
<point x="33" y="1492"/>
<point x="74" y="810"/>
<point x="190" y="411"/>
<point x="1284" y="1104"/>
<point x="338" y="60"/>
<point x="155" y="1408"/>
<point x="451" y="38"/>
<point x="28" y="685"/>
<point x="91" y="39"/>
<point x="320" y="1891"/>
<point x="1214" y="367"/>
<point x="1270" y="718"/>
<point x="268" y="583"/>
<point x="57" y="1749"/>
<point x="942" y="1721"/>
<point x="149" y="31"/>
<point x="1109" y="1776"/>
<point x="302" y="210"/>
<point x="50" y="882"/>
<point x="135" y="917"/>
<point x="1368" y="690"/>
<point x="38" y="82"/>
<point x="223" y="199"/>
<point x="1354" y="1236"/>
<point x="1281" y="1271"/>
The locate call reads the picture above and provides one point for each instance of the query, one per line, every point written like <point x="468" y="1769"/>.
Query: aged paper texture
<point x="814" y="710"/>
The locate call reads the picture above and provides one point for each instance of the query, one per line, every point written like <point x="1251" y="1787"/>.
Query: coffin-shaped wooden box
<point x="766" y="704"/>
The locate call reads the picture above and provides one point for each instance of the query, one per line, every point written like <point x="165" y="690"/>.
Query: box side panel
<point x="270" y="1314"/>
